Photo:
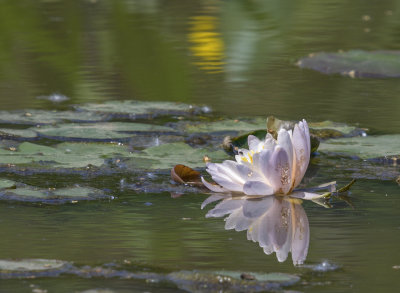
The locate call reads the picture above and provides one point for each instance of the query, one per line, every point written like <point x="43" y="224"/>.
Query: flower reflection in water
<point x="278" y="223"/>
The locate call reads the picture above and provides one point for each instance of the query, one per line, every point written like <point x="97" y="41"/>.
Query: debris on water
<point x="230" y="281"/>
<point x="148" y="204"/>
<point x="397" y="267"/>
<point x="245" y="276"/>
<point x="185" y="175"/>
<point x="98" y="291"/>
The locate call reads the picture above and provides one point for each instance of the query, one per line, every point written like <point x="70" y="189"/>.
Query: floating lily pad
<point x="364" y="147"/>
<point x="168" y="155"/>
<point x="204" y="281"/>
<point x="42" y="117"/>
<point x="5" y="183"/>
<point x="33" y="194"/>
<point x="31" y="265"/>
<point x="140" y="109"/>
<point x="17" y="134"/>
<point x="64" y="155"/>
<point x="340" y="127"/>
<point x="355" y="63"/>
<point x="228" y="125"/>
<point x="98" y="131"/>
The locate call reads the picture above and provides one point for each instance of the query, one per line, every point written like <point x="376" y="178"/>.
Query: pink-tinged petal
<point x="276" y="168"/>
<point x="257" y="188"/>
<point x="285" y="141"/>
<point x="307" y="134"/>
<point x="213" y="187"/>
<point x="301" y="234"/>
<point x="301" y="153"/>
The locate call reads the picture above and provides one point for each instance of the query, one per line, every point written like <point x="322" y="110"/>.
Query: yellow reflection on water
<point x="206" y="43"/>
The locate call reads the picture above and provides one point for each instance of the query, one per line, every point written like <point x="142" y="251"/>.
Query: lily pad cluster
<point x="131" y="137"/>
<point x="192" y="281"/>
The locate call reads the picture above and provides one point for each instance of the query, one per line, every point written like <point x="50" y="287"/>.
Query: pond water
<point x="128" y="229"/>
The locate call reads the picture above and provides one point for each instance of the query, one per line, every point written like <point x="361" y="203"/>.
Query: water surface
<point x="238" y="57"/>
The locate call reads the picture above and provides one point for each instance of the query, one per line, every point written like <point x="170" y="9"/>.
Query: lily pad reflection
<point x="278" y="224"/>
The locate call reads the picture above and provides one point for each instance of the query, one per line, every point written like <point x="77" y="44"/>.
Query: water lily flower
<point x="268" y="167"/>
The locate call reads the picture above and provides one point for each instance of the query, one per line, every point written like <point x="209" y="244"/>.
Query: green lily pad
<point x="226" y="281"/>
<point x="31" y="265"/>
<point x="226" y="125"/>
<point x="64" y="155"/>
<point x="42" y="117"/>
<point x="5" y="183"/>
<point x="168" y="155"/>
<point x="140" y="109"/>
<point x="355" y="63"/>
<point x="17" y="134"/>
<point x="340" y="127"/>
<point x="364" y="147"/>
<point x="99" y="131"/>
<point x="33" y="194"/>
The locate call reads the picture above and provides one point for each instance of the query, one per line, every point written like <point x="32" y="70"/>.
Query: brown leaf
<point x="185" y="175"/>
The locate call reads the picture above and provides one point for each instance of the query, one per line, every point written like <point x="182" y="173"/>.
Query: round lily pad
<point x="42" y="117"/>
<point x="227" y="125"/>
<point x="65" y="155"/>
<point x="196" y="281"/>
<point x="33" y="194"/>
<point x="98" y="131"/>
<point x="17" y="134"/>
<point x="5" y="183"/>
<point x="30" y="265"/>
<point x="168" y="155"/>
<point x="355" y="63"/>
<point x="140" y="109"/>
<point x="364" y="147"/>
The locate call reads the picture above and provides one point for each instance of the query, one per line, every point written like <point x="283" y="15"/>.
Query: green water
<point x="237" y="57"/>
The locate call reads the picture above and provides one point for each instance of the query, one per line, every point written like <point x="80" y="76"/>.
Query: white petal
<point x="257" y="188"/>
<point x="213" y="187"/>
<point x="254" y="143"/>
<point x="269" y="142"/>
<point x="285" y="141"/>
<point x="230" y="175"/>
<point x="306" y="195"/>
<point x="301" y="152"/>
